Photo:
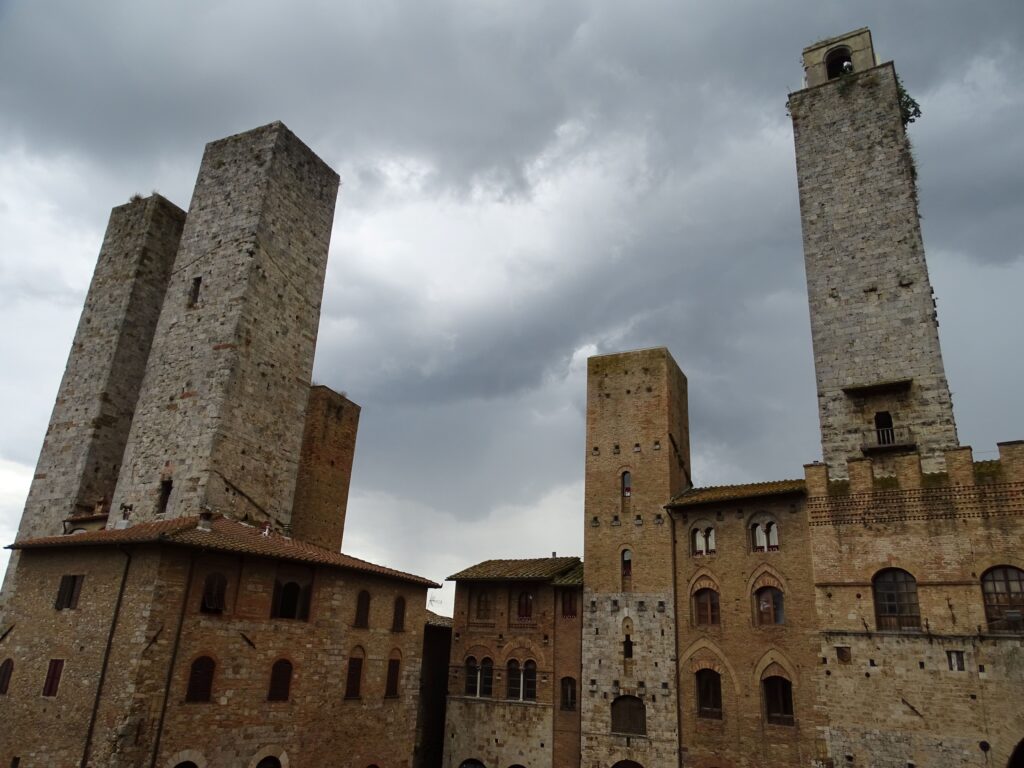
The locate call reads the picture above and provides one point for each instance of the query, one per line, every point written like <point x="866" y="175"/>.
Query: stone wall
<point x="84" y="443"/>
<point x="636" y="423"/>
<point x="325" y="468"/>
<point x="872" y="310"/>
<point x="890" y="696"/>
<point x="220" y="416"/>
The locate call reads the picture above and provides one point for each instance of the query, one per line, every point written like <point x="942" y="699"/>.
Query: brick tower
<point x="882" y="388"/>
<point x="638" y="457"/>
<point x="220" y="418"/>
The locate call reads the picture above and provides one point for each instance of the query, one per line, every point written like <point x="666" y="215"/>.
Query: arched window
<point x="530" y="681"/>
<point x="568" y="687"/>
<point x="200" y="680"/>
<point x="362" y="610"/>
<point x="293" y="587"/>
<point x="627" y="647"/>
<point x="280" y="681"/>
<point x="702" y="540"/>
<point x="486" y="678"/>
<point x="764" y="536"/>
<point x="6" y="670"/>
<point x="709" y="694"/>
<point x="484" y="605"/>
<point x="629" y="716"/>
<point x="626" y="567"/>
<point x="472" y="676"/>
<point x="398" y="619"/>
<point x="768" y="606"/>
<point x="705" y="607"/>
<point x="1003" y="590"/>
<point x="884" y="431"/>
<point x="214" y="591"/>
<point x="514" y="676"/>
<point x="895" y="593"/>
<point x="354" y="678"/>
<point x="394" y="672"/>
<point x="627" y="485"/>
<point x="838" y="62"/>
<point x="778" y="700"/>
<point x="524" y="606"/>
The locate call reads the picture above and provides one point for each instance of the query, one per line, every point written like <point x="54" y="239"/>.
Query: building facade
<point x="866" y="614"/>
<point x="177" y="597"/>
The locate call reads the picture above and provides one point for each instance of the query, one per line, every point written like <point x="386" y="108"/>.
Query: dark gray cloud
<point x="524" y="184"/>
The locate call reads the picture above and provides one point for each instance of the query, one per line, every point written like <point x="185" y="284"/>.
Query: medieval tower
<point x="881" y="384"/>
<point x="638" y="457"/>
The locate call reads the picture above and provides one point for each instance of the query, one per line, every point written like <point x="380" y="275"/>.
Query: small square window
<point x="956" y="660"/>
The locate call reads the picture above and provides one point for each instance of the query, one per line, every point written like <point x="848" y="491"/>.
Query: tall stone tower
<point x="84" y="443"/>
<point x="220" y="418"/>
<point x="881" y="384"/>
<point x="638" y="457"/>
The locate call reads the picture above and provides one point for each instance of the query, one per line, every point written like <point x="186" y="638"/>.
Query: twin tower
<point x="188" y="384"/>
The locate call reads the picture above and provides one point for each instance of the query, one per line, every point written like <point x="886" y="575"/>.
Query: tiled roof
<point x="571" y="578"/>
<point x="539" y="568"/>
<point x="437" y="620"/>
<point x="715" y="493"/>
<point x="225" y="536"/>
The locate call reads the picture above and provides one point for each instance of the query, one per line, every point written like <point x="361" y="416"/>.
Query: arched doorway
<point x="1017" y="758"/>
<point x="269" y="762"/>
<point x="627" y="764"/>
<point x="472" y="763"/>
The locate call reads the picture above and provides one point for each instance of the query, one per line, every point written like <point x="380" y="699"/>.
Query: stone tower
<point x="882" y="387"/>
<point x="220" y="418"/>
<point x="84" y="443"/>
<point x="638" y="457"/>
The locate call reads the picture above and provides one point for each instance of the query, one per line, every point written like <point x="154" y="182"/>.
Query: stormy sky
<point x="525" y="184"/>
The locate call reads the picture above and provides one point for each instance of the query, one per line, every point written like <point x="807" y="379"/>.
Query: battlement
<point x="961" y="470"/>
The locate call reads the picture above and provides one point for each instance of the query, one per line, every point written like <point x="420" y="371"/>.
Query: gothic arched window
<point x="895" y="593"/>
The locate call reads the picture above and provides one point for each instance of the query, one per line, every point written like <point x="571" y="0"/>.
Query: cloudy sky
<point x="525" y="184"/>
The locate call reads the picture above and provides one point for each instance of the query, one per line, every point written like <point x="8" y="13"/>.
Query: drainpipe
<point x="106" y="658"/>
<point x="174" y="658"/>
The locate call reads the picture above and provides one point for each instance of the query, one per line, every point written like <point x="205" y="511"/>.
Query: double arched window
<point x="521" y="680"/>
<point x="1003" y="591"/>
<point x="479" y="677"/>
<point x="702" y="540"/>
<point x="896" y="606"/>
<point x="764" y="535"/>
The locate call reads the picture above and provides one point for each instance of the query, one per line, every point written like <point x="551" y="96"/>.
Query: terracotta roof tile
<point x="571" y="578"/>
<point x="714" y="493"/>
<point x="539" y="568"/>
<point x="225" y="536"/>
<point x="437" y="620"/>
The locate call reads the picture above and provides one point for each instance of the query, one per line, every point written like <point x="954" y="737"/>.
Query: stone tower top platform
<point x="825" y="60"/>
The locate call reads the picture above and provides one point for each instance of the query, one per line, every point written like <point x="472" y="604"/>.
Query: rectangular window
<point x="165" y="496"/>
<point x="193" y="294"/>
<point x="355" y="677"/>
<point x="53" y="674"/>
<point x="569" y="604"/>
<point x="391" y="686"/>
<point x="67" y="593"/>
<point x="956" y="660"/>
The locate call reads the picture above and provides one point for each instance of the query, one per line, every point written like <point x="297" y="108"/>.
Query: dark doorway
<point x="1017" y="758"/>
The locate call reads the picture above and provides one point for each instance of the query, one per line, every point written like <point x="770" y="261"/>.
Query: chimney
<point x="205" y="520"/>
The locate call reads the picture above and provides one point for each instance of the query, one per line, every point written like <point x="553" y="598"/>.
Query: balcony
<point x="885" y="439"/>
